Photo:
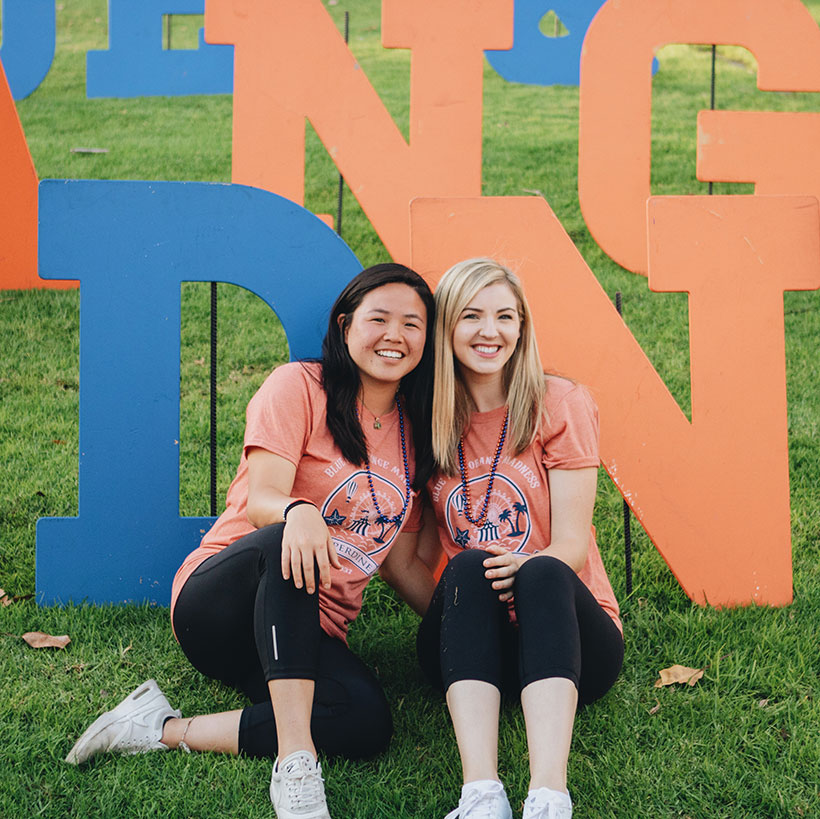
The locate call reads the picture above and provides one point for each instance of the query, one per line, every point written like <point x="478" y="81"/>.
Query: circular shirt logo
<point x="358" y="529"/>
<point x="507" y="522"/>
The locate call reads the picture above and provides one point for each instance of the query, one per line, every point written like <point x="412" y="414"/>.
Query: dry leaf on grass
<point x="37" y="639"/>
<point x="5" y="600"/>
<point x="678" y="674"/>
<point x="655" y="708"/>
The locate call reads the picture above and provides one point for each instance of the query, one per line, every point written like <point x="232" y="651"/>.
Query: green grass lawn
<point x="743" y="742"/>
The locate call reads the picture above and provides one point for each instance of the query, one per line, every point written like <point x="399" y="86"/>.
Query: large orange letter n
<point x="291" y="63"/>
<point x="713" y="493"/>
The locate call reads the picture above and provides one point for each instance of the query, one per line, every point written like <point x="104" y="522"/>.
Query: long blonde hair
<point x="523" y="374"/>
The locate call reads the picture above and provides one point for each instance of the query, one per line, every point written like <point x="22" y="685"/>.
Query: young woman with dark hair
<point x="322" y="500"/>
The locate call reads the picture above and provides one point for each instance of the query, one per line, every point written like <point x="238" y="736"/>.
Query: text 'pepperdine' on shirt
<point x="287" y="417"/>
<point x="518" y="508"/>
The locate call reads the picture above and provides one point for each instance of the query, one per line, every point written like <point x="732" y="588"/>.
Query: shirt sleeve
<point x="571" y="437"/>
<point x="279" y="416"/>
<point x="412" y="523"/>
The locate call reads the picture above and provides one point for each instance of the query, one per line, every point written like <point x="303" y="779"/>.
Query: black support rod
<point x="341" y="178"/>
<point x="627" y="513"/>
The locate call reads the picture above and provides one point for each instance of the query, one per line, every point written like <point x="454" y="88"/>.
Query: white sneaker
<point x="482" y="800"/>
<point x="297" y="789"/>
<point x="544" y="803"/>
<point x="133" y="727"/>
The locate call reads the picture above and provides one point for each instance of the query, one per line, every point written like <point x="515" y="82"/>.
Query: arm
<point x="404" y="571"/>
<point x="306" y="539"/>
<point x="572" y="498"/>
<point x="429" y="545"/>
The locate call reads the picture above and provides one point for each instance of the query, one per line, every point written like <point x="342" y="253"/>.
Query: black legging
<point x="225" y="619"/>
<point x="562" y="630"/>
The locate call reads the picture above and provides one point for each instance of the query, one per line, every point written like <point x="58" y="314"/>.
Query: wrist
<point x="293" y="504"/>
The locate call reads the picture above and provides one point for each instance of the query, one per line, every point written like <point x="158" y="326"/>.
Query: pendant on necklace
<point x="377" y="424"/>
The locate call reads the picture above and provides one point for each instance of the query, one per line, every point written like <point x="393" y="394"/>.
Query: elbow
<point x="573" y="554"/>
<point x="250" y="514"/>
<point x="388" y="575"/>
<point x="254" y="514"/>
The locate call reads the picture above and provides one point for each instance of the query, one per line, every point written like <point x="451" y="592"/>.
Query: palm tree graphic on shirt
<point x="504" y="517"/>
<point x="520" y="509"/>
<point x="383" y="520"/>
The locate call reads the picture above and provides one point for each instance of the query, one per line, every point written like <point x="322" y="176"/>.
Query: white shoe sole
<point x="83" y="748"/>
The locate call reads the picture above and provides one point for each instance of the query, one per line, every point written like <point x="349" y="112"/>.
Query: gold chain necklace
<point x="377" y="424"/>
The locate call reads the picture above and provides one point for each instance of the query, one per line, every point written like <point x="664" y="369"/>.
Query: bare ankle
<point x="286" y="749"/>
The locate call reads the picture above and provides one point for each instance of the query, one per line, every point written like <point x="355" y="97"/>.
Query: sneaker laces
<point x="548" y="804"/>
<point x="477" y="804"/>
<point x="304" y="783"/>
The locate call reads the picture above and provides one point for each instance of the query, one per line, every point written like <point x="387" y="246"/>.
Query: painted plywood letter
<point x="616" y="94"/>
<point x="29" y="37"/>
<point x="775" y="150"/>
<point x="540" y="60"/>
<point x="136" y="64"/>
<point x="714" y="501"/>
<point x="18" y="203"/>
<point x="131" y="244"/>
<point x="291" y="63"/>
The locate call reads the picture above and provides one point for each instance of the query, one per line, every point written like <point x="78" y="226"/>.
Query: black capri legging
<point x="562" y="630"/>
<point x="238" y="621"/>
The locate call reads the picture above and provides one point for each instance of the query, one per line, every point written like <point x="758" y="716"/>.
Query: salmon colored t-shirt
<point x="518" y="512"/>
<point x="287" y="417"/>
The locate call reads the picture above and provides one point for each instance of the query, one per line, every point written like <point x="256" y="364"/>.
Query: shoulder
<point x="569" y="435"/>
<point x="564" y="393"/>
<point x="295" y="375"/>
<point x="293" y="384"/>
<point x="567" y="404"/>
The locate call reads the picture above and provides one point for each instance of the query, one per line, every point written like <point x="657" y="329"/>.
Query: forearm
<point x="413" y="582"/>
<point x="267" y="507"/>
<point x="573" y="554"/>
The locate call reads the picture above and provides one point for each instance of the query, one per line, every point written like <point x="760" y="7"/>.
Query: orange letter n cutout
<point x="713" y="493"/>
<point x="291" y="63"/>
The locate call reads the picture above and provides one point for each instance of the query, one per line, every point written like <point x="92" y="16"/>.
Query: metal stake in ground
<point x="627" y="514"/>
<point x="213" y="398"/>
<point x="341" y="178"/>
<point x="712" y="103"/>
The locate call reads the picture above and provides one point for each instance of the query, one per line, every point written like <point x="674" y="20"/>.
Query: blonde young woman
<point x="524" y="605"/>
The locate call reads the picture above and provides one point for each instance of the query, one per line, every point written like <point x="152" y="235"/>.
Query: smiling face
<point x="487" y="332"/>
<point x="385" y="334"/>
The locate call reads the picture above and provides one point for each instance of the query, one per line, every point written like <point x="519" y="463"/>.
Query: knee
<point x="268" y="543"/>
<point x="469" y="563"/>
<point x="545" y="571"/>
<point x="366" y="728"/>
<point x="375" y="738"/>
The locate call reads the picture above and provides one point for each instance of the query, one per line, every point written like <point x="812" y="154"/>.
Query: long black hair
<point x="340" y="375"/>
